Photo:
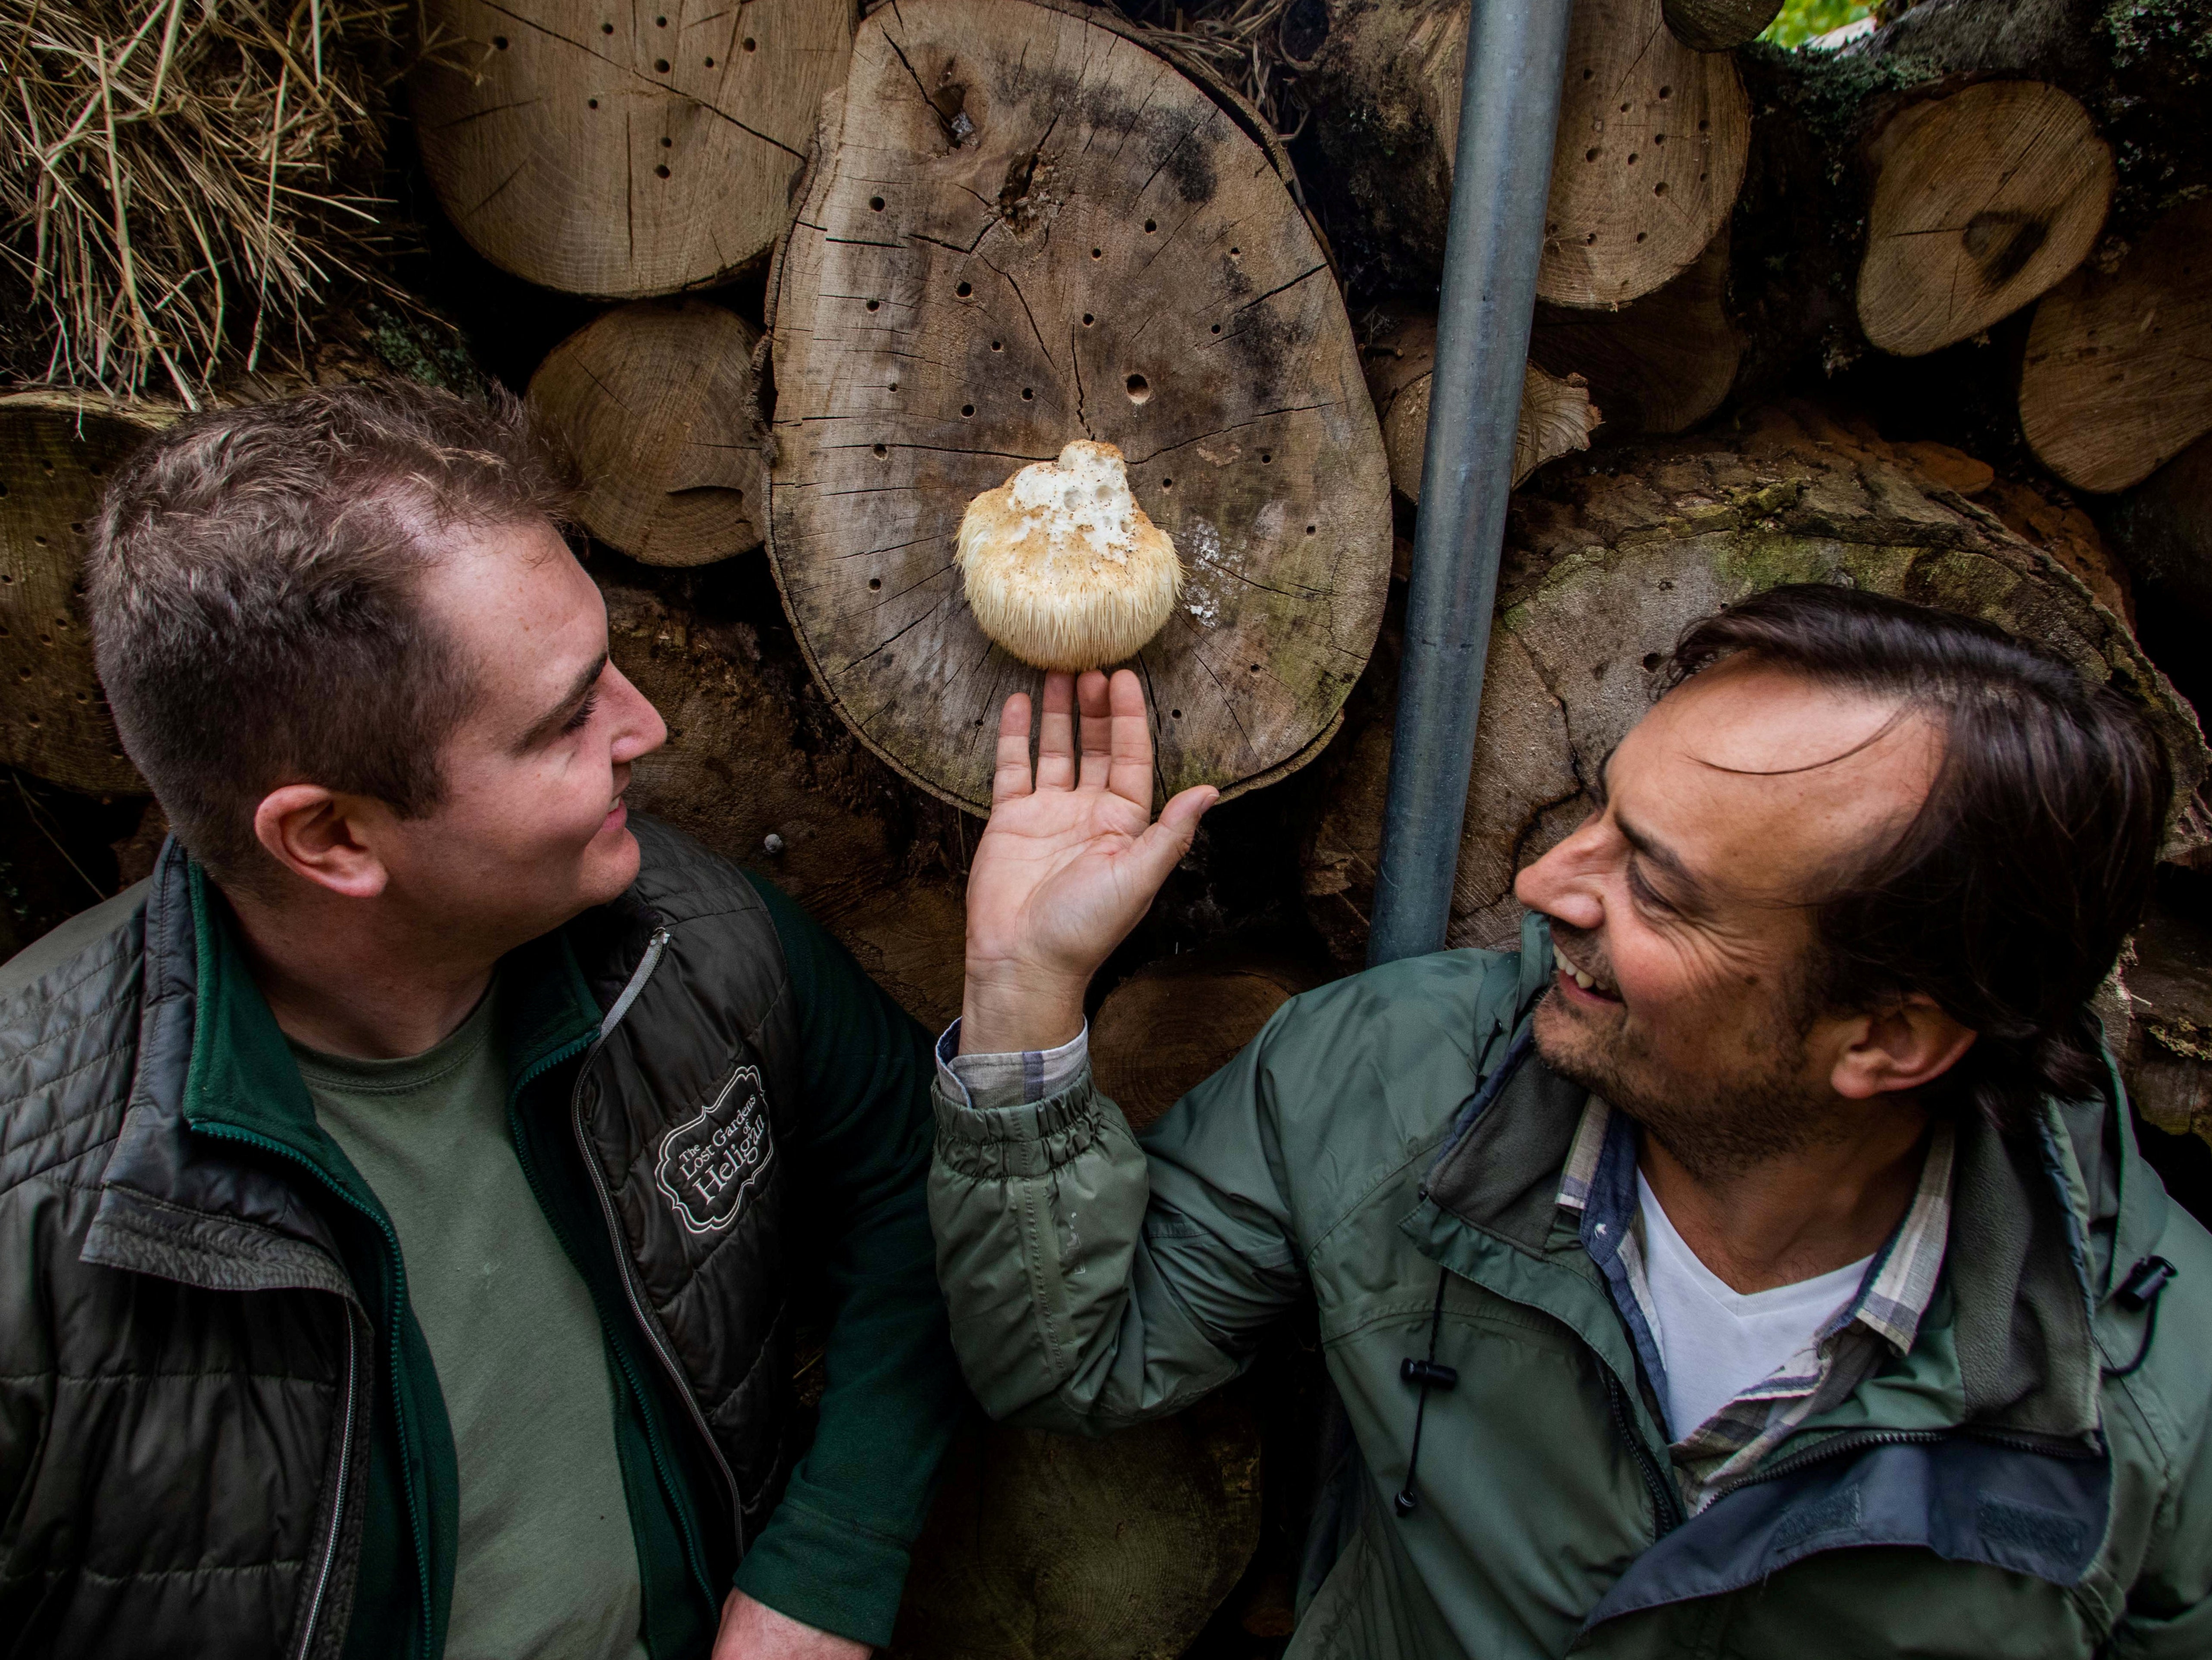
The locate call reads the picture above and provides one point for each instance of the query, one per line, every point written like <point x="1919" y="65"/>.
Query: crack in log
<point x="499" y="187"/>
<point x="1075" y="363"/>
<point x="1235" y="427"/>
<point x="1007" y="277"/>
<point x="478" y="115"/>
<point x="1278" y="289"/>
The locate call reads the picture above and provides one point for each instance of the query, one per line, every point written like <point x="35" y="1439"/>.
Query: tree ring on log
<point x="1605" y="568"/>
<point x="1982" y="201"/>
<point x="2113" y="385"/>
<point x="1017" y="149"/>
<point x="1652" y="141"/>
<point x="658" y="403"/>
<point x="622" y="151"/>
<point x="57" y="453"/>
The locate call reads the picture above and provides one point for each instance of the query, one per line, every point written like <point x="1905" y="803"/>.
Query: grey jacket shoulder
<point x="69" y="1037"/>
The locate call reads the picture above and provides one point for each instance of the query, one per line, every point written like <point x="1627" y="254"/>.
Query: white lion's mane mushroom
<point x="1062" y="567"/>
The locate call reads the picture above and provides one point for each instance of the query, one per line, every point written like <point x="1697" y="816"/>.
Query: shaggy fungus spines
<point x="1062" y="567"/>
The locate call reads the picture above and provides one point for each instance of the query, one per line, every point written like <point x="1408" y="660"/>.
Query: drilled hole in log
<point x="876" y="203"/>
<point x="964" y="290"/>
<point x="1140" y="389"/>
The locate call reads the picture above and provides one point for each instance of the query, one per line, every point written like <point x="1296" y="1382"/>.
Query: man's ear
<point x="1903" y="1048"/>
<point x="322" y="837"/>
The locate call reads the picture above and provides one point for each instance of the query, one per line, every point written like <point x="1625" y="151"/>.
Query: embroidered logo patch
<point x="709" y="1164"/>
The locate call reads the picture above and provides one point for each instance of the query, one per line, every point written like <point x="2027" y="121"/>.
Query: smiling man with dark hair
<point x="411" y="1193"/>
<point x="1757" y="1263"/>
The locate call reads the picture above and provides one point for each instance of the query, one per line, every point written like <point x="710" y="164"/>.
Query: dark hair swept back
<point x="2007" y="897"/>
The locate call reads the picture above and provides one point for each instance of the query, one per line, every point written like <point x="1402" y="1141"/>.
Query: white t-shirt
<point x="1714" y="1340"/>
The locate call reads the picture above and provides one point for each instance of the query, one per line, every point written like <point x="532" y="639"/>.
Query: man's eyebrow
<point x="1658" y="853"/>
<point x="558" y="716"/>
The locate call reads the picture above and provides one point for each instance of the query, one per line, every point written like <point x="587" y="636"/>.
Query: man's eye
<point x="582" y="718"/>
<point x="1644" y="892"/>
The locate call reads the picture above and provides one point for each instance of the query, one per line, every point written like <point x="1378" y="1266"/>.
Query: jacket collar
<point x="213" y="1071"/>
<point x="2038" y="1224"/>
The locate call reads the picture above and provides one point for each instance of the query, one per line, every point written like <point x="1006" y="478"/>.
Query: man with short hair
<point x="411" y="1193"/>
<point x="1757" y="1263"/>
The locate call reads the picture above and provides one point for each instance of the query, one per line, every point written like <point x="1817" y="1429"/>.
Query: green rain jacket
<point x="1996" y="1492"/>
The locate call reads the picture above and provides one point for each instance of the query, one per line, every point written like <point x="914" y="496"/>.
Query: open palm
<point x="1069" y="860"/>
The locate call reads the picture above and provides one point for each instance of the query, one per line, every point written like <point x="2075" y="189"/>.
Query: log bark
<point x="1718" y="25"/>
<point x="1605" y="566"/>
<point x="1556" y="416"/>
<point x="1175" y="1023"/>
<point x="56" y="449"/>
<point x="626" y="151"/>
<point x="2113" y="385"/>
<point x="1659" y="366"/>
<point x="2167" y="1055"/>
<point x="1023" y="226"/>
<point x="1045" y="1546"/>
<point x="659" y="404"/>
<point x="1650" y="153"/>
<point x="756" y="768"/>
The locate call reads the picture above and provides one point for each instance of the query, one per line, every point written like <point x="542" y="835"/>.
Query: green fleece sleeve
<point x="1096" y="1282"/>
<point x="834" y="1554"/>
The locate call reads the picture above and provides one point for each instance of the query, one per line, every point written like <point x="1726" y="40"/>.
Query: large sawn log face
<point x="1022" y="226"/>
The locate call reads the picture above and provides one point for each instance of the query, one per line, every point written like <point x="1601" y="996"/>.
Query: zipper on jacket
<point x="1666" y="1505"/>
<point x="395" y="1298"/>
<point x="337" y="1502"/>
<point x="1859" y="1442"/>
<point x="636" y="1383"/>
<point x="654" y="949"/>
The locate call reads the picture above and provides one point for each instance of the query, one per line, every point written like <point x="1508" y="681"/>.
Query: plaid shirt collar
<point x="1599" y="1185"/>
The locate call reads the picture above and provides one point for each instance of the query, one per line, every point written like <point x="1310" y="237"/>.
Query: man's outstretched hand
<point x="1069" y="860"/>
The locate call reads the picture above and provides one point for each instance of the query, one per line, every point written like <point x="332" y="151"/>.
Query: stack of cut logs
<point x="1931" y="315"/>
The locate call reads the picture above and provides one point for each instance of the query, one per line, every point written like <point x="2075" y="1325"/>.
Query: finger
<point x="1010" y="773"/>
<point x="1156" y="851"/>
<point x="1097" y="711"/>
<point x="1131" y="774"/>
<point x="1056" y="737"/>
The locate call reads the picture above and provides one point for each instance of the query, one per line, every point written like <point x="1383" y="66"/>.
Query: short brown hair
<point x="2007" y="898"/>
<point x="254" y="586"/>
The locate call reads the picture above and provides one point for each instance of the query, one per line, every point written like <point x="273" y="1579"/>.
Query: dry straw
<point x="183" y="180"/>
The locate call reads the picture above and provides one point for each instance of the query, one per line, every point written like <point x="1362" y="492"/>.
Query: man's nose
<point x="1563" y="883"/>
<point x="643" y="731"/>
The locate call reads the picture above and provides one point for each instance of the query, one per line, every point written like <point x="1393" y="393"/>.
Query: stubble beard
<point x="1753" y="1110"/>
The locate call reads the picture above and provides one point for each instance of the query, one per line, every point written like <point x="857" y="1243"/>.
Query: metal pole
<point x="1508" y="113"/>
